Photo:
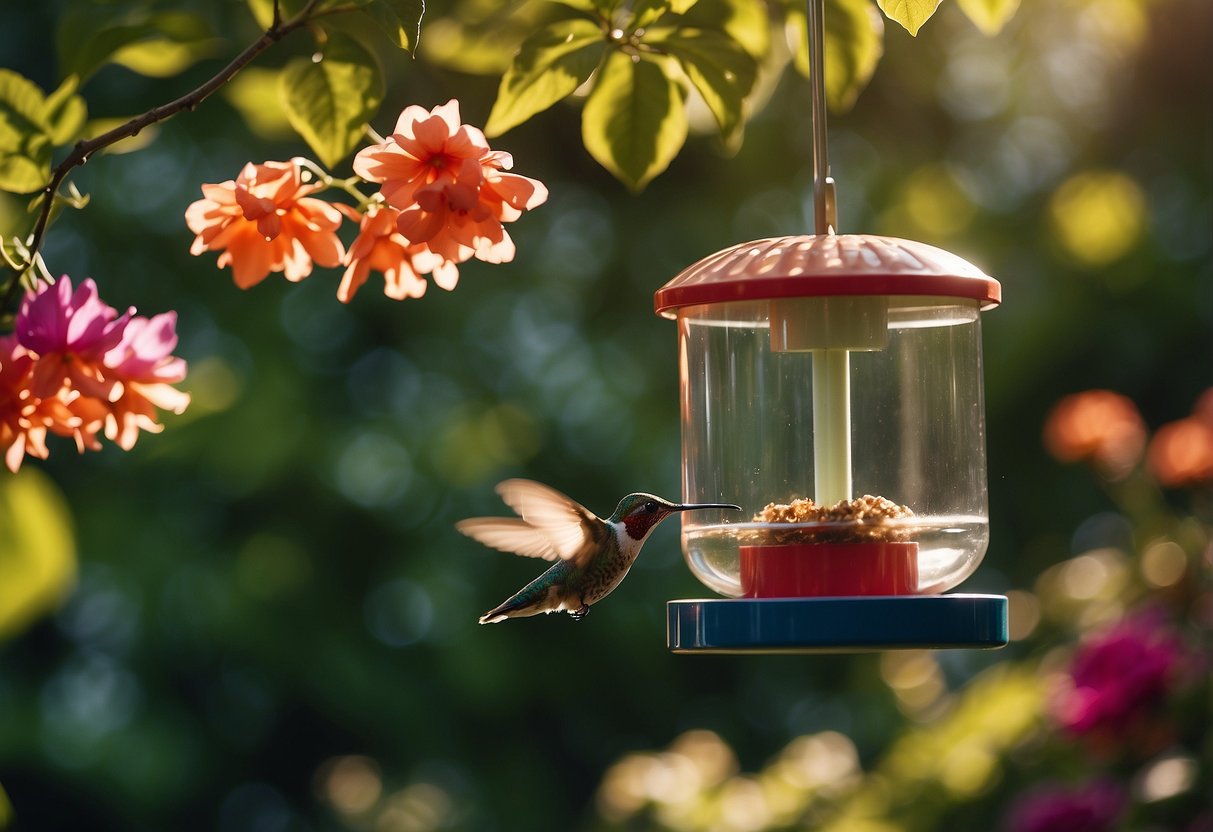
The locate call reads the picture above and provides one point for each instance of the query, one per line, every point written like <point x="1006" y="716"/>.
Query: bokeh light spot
<point x="1098" y="216"/>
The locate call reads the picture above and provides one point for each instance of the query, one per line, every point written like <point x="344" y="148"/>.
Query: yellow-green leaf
<point x="65" y="112"/>
<point x="401" y="19"/>
<point x="745" y="21"/>
<point x="163" y="43"/>
<point x="719" y="68"/>
<point x="989" y="15"/>
<point x="647" y="12"/>
<point x="329" y="101"/>
<point x="550" y="65"/>
<point x="911" y="14"/>
<point x="854" y="44"/>
<point x="481" y="37"/>
<point x="25" y="146"/>
<point x="263" y="10"/>
<point x="37" y="549"/>
<point x="255" y="93"/>
<point x="634" y="122"/>
<point x="101" y="126"/>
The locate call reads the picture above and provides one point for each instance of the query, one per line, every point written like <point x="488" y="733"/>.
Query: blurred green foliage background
<point x="271" y="624"/>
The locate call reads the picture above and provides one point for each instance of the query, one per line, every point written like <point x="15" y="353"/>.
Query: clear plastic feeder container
<point x="832" y="387"/>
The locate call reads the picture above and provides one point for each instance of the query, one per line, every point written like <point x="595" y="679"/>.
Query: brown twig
<point x="85" y="148"/>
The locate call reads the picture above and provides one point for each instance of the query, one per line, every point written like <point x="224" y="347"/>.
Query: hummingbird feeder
<point x="831" y="385"/>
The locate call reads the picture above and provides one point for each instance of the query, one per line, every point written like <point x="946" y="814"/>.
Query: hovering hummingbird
<point x="591" y="555"/>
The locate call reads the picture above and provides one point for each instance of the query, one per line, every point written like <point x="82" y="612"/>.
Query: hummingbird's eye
<point x="650" y="506"/>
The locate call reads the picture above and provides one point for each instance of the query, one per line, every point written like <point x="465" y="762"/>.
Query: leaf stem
<point x="85" y="148"/>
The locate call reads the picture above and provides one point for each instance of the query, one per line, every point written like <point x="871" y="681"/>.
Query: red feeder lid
<point x="826" y="265"/>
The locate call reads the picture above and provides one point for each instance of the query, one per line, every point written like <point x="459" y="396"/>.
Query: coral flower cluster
<point x="74" y="367"/>
<point x="444" y="196"/>
<point x="1105" y="429"/>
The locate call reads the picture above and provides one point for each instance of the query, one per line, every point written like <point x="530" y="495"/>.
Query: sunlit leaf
<point x="911" y="14"/>
<point x="551" y="64"/>
<point x="37" y="549"/>
<point x="25" y="146"/>
<point x="263" y="10"/>
<point x="989" y="15"/>
<point x="65" y="112"/>
<point x="401" y="19"/>
<point x="330" y="101"/>
<point x="255" y="93"/>
<point x="745" y="21"/>
<point x="481" y="37"/>
<point x="100" y="126"/>
<point x="854" y="44"/>
<point x="720" y="69"/>
<point x="161" y="57"/>
<point x="163" y="43"/>
<point x="647" y="12"/>
<point x="634" y="122"/>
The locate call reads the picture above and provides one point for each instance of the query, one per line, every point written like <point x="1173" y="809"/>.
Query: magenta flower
<point x="1118" y="674"/>
<point x="1092" y="807"/>
<point x="77" y="368"/>
<point x="69" y="332"/>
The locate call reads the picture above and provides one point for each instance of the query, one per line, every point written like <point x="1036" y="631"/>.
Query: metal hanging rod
<point x="824" y="204"/>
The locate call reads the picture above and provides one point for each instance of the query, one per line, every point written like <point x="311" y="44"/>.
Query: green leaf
<point x="481" y="37"/>
<point x="854" y="35"/>
<point x="551" y="64"/>
<point x="263" y="10"/>
<point x="130" y="144"/>
<point x="634" y="122"/>
<point x="65" y="112"/>
<point x="401" y="19"/>
<point x="989" y="15"/>
<point x="25" y="143"/>
<point x="647" y="12"/>
<point x="146" y="41"/>
<point x="256" y="94"/>
<point x="330" y="101"/>
<point x="745" y="21"/>
<point x="37" y="549"/>
<point x="719" y="68"/>
<point x="911" y="14"/>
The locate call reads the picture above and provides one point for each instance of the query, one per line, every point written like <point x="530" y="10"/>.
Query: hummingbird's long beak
<point x="694" y="506"/>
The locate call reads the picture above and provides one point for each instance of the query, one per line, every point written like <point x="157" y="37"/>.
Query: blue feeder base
<point x="836" y="625"/>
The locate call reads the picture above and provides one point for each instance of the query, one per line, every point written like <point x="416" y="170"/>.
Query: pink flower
<point x="141" y="361"/>
<point x="380" y="247"/>
<point x="1092" y="807"/>
<point x="74" y="367"/>
<point x="1118" y="674"/>
<point x="264" y="222"/>
<point x="69" y="332"/>
<point x="452" y="191"/>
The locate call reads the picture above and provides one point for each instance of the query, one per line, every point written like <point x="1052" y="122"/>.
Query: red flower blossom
<point x="264" y="222"/>
<point x="1098" y="426"/>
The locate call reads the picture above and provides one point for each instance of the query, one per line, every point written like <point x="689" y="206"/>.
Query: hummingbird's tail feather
<point x="534" y="598"/>
<point x="513" y="608"/>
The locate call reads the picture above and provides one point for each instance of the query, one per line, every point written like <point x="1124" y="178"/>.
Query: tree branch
<point x="85" y="148"/>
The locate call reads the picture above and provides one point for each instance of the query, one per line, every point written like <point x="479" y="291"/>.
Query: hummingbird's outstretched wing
<point x="552" y="526"/>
